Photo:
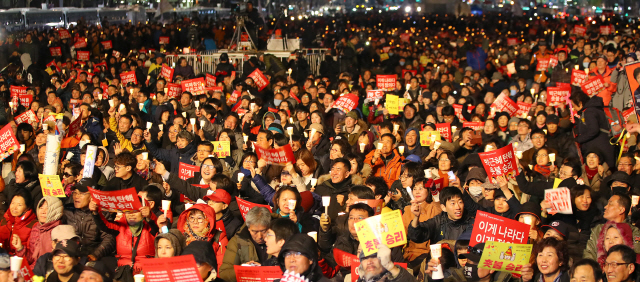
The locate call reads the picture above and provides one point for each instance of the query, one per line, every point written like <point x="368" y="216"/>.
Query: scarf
<point x="68" y="190"/>
<point x="545" y="170"/>
<point x="445" y="178"/>
<point x="136" y="230"/>
<point x="504" y="129"/>
<point x="193" y="236"/>
<point x="143" y="173"/>
<point x="590" y="172"/>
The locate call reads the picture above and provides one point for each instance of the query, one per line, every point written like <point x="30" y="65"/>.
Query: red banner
<point x="82" y="55"/>
<point x="626" y="114"/>
<point x="344" y="259"/>
<point x="164" y="40"/>
<point x="557" y="95"/>
<point x="474" y="125"/>
<point x="174" y="90"/>
<point x="504" y="104"/>
<point x="25" y="271"/>
<point x="81" y="43"/>
<point x="606" y="30"/>
<point x="167" y="72"/>
<point x="245" y="206"/>
<point x="413" y="72"/>
<point x="128" y="77"/>
<point x="501" y="162"/>
<point x="580" y="30"/>
<point x="234" y="96"/>
<point x="280" y="156"/>
<point x="257" y="273"/>
<point x="194" y="86"/>
<point x="187" y="171"/>
<point x="8" y="142"/>
<point x="210" y="80"/>
<point x="386" y="81"/>
<point x="457" y="108"/>
<point x="490" y="227"/>
<point x="375" y="94"/>
<point x="346" y="103"/>
<point x="55" y="51"/>
<point x="122" y="200"/>
<point x="512" y="41"/>
<point x="107" y="45"/>
<point x="578" y="77"/>
<point x="259" y="79"/>
<point x="559" y="199"/>
<point x="445" y="130"/>
<point x="173" y="269"/>
<point x="74" y="127"/>
<point x="593" y="86"/>
<point x="523" y="108"/>
<point x="63" y="33"/>
<point x="27" y="117"/>
<point x="543" y="64"/>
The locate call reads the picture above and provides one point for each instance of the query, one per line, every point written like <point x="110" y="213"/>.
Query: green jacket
<point x="239" y="250"/>
<point x="591" y="252"/>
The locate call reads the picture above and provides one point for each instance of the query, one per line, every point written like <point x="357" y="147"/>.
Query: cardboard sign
<point x="221" y="149"/>
<point x="194" y="86"/>
<point x="51" y="185"/>
<point x="504" y="104"/>
<point x="8" y="142"/>
<point x="280" y="156"/>
<point x="187" y="171"/>
<point x="553" y="61"/>
<point x="512" y="41"/>
<point x="559" y="199"/>
<point x="27" y="117"/>
<point x="122" y="200"/>
<point x="426" y="138"/>
<point x="500" y="162"/>
<point x="128" y="77"/>
<point x="173" y="269"/>
<point x="83" y="55"/>
<point x="474" y="125"/>
<point x="346" y="103"/>
<point x="386" y="81"/>
<point x="107" y="45"/>
<point x="245" y="206"/>
<point x="257" y="273"/>
<point x="543" y="64"/>
<point x="376" y="205"/>
<point x="344" y="259"/>
<point x="593" y="86"/>
<point x="174" y="90"/>
<point x="167" y="72"/>
<point x="557" y="95"/>
<point x="392" y="104"/>
<point x="259" y="79"/>
<point x="55" y="51"/>
<point x="578" y="77"/>
<point x="445" y="131"/>
<point x="64" y="34"/>
<point x="491" y="227"/>
<point x="386" y="228"/>
<point x="81" y="43"/>
<point x="505" y="257"/>
<point x="375" y="94"/>
<point x="523" y="109"/>
<point x="210" y="80"/>
<point x="580" y="30"/>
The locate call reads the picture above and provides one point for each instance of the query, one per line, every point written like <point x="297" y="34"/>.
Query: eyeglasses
<point x="292" y="254"/>
<point x="624" y="164"/>
<point x="194" y="219"/>
<point x="614" y="264"/>
<point x="119" y="167"/>
<point x="405" y="177"/>
<point x="77" y="193"/>
<point x="61" y="257"/>
<point x="211" y="167"/>
<point x="258" y="231"/>
<point x="66" y="174"/>
<point x="249" y="161"/>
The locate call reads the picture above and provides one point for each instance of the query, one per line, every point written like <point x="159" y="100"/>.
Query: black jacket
<point x="440" y="227"/>
<point x="307" y="246"/>
<point x="329" y="188"/>
<point x="93" y="241"/>
<point x="117" y="183"/>
<point x="174" y="155"/>
<point x="593" y="130"/>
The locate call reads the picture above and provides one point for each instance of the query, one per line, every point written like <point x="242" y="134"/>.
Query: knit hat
<point x="69" y="247"/>
<point x="477" y="174"/>
<point x="488" y="185"/>
<point x="352" y="114"/>
<point x="318" y="127"/>
<point x="177" y="239"/>
<point x="54" y="208"/>
<point x="63" y="232"/>
<point x="530" y="207"/>
<point x="100" y="268"/>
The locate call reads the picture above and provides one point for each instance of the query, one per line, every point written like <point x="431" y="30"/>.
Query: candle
<point x="313" y="235"/>
<point x="488" y="148"/>
<point x="436" y="252"/>
<point x="401" y="150"/>
<point x="427" y="173"/>
<point x="160" y="126"/>
<point x="326" y="200"/>
<point x="290" y="130"/>
<point x="69" y="156"/>
<point x="408" y="86"/>
<point x="245" y="138"/>
<point x="377" y="101"/>
<point x="145" y="156"/>
<point x="192" y="121"/>
<point x="527" y="219"/>
<point x="379" y="146"/>
<point x="202" y="122"/>
<point x="140" y="277"/>
<point x="519" y="154"/>
<point x="22" y="148"/>
<point x="149" y="124"/>
<point x="436" y="145"/>
<point x="552" y="157"/>
<point x="16" y="264"/>
<point x="166" y="90"/>
<point x="111" y="103"/>
<point x="313" y="133"/>
<point x="453" y="129"/>
<point x="184" y="114"/>
<point x="197" y="103"/>
<point x="122" y="107"/>
<point x="395" y="128"/>
<point x="131" y="91"/>
<point x="240" y="177"/>
<point x="533" y="91"/>
<point x="634" y="200"/>
<point x="576" y="67"/>
<point x="252" y="106"/>
<point x="410" y="193"/>
<point x="545" y="131"/>
<point x="165" y="207"/>
<point x="314" y="181"/>
<point x="362" y="147"/>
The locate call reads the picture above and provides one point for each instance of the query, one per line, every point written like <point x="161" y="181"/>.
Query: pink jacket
<point x="39" y="242"/>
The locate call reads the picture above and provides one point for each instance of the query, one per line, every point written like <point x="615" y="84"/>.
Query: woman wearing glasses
<point x="198" y="223"/>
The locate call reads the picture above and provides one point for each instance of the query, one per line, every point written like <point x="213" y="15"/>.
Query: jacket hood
<point x="471" y="160"/>
<point x="594" y="102"/>
<point x="417" y="132"/>
<point x="477" y="173"/>
<point x="466" y="236"/>
<point x="157" y="115"/>
<point x="202" y="252"/>
<point x="208" y="212"/>
<point x="54" y="208"/>
<point x="531" y="208"/>
<point x="304" y="244"/>
<point x="106" y="155"/>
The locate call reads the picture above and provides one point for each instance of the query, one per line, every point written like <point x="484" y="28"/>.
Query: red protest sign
<point x="457" y="108"/>
<point x="25" y="271"/>
<point x="74" y="127"/>
<point x="63" y="33"/>
<point x="8" y="142"/>
<point x="245" y="206"/>
<point x="27" y="117"/>
<point x="405" y="37"/>
<point x="344" y="259"/>
<point x="115" y="53"/>
<point x="375" y="94"/>
<point x="257" y="273"/>
<point x="504" y="104"/>
<point x="386" y="81"/>
<point x="559" y="199"/>
<point x="210" y="80"/>
<point x="523" y="108"/>
<point x="626" y="114"/>
<point x="279" y="156"/>
<point x="445" y="130"/>
<point x="557" y="95"/>
<point x="580" y="30"/>
<point x="55" y="51"/>
<point x="187" y="171"/>
<point x="194" y="86"/>
<point x="346" y="103"/>
<point x="107" y="45"/>
<point x="128" y="77"/>
<point x="553" y="61"/>
<point x="593" y="86"/>
<point x="606" y="30"/>
<point x="17" y="91"/>
<point x="543" y="64"/>
<point x="437" y="186"/>
<point x="501" y="162"/>
<point x="167" y="72"/>
<point x="512" y="41"/>
<point x="81" y="43"/>
<point x="234" y="96"/>
<point x="578" y="77"/>
<point x="490" y="227"/>
<point x="474" y="125"/>
<point x="122" y="200"/>
<point x="259" y="79"/>
<point x="173" y="269"/>
<point x="164" y="40"/>
<point x="82" y="55"/>
<point x="413" y="72"/>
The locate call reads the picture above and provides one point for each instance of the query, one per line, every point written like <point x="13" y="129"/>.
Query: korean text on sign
<point x="123" y="200"/>
<point x="490" y="227"/>
<point x="386" y="81"/>
<point x="506" y="257"/>
<point x="386" y="228"/>
<point x="559" y="199"/>
<point x="500" y="162"/>
<point x="279" y="156"/>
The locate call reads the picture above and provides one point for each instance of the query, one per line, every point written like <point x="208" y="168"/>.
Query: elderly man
<point x="248" y="245"/>
<point x="620" y="266"/>
<point x="379" y="265"/>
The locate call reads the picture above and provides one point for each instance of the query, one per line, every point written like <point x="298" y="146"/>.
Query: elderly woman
<point x="198" y="223"/>
<point x="49" y="212"/>
<point x="16" y="225"/>
<point x="595" y="170"/>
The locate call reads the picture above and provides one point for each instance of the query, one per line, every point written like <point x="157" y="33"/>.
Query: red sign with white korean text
<point x="375" y="94"/>
<point x="342" y="258"/>
<point x="174" y="90"/>
<point x="194" y="86"/>
<point x="593" y="86"/>
<point x="74" y="127"/>
<point x="437" y="186"/>
<point x="501" y="162"/>
<point x="82" y="55"/>
<point x="553" y="61"/>
<point x="167" y="72"/>
<point x="8" y="142"/>
<point x="107" y="45"/>
<point x="259" y="79"/>
<point x="578" y="77"/>
<point x="557" y="95"/>
<point x="210" y="80"/>
<point x="63" y="33"/>
<point x="164" y="40"/>
<point x="606" y="30"/>
<point x="18" y="91"/>
<point x="445" y="130"/>
<point x="81" y="43"/>
<point x="127" y="77"/>
<point x="474" y="125"/>
<point x="386" y="81"/>
<point x="626" y="114"/>
<point x="245" y="206"/>
<point x="55" y="51"/>
<point x="580" y="30"/>
<point x="491" y="227"/>
<point x="512" y="41"/>
<point x="346" y="103"/>
<point x="523" y="108"/>
<point x="279" y="156"/>
<point x="504" y="104"/>
<point x="27" y="117"/>
<point x="559" y="199"/>
<point x="187" y="171"/>
<point x="173" y="269"/>
<point x="457" y="108"/>
<point x="413" y="72"/>
<point x="234" y="96"/>
<point x="121" y="200"/>
<point x="257" y="273"/>
<point x="543" y="64"/>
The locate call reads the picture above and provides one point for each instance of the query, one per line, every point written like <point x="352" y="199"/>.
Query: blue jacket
<point x="476" y="59"/>
<point x="174" y="155"/>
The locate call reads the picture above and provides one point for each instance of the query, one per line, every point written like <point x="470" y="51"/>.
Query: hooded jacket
<point x="21" y="226"/>
<point x="387" y="168"/>
<point x="40" y="237"/>
<point x="418" y="150"/>
<point x="216" y="236"/>
<point x="92" y="240"/>
<point x="307" y="247"/>
<point x="593" y="130"/>
<point x="176" y="239"/>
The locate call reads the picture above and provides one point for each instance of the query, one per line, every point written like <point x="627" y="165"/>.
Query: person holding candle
<point x="49" y="212"/>
<point x="351" y="127"/>
<point x="522" y="141"/>
<point x="198" y="223"/>
<point x="125" y="177"/>
<point x="444" y="163"/>
<point x="530" y="213"/>
<point x="415" y="253"/>
<point x="379" y="266"/>
<point x="287" y="203"/>
<point x="385" y="161"/>
<point x="412" y="144"/>
<point x="539" y="141"/>
<point x="307" y="167"/>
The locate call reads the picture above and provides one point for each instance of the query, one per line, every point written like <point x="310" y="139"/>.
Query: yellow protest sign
<point x="556" y="183"/>
<point x="508" y="257"/>
<point x="392" y="104"/>
<point x="428" y="137"/>
<point x="51" y="185"/>
<point x="383" y="57"/>
<point x="221" y="149"/>
<point x="386" y="228"/>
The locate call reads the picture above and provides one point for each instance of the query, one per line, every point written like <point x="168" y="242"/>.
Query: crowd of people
<point x="367" y="152"/>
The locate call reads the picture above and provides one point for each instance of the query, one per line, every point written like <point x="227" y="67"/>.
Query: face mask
<point x="82" y="143"/>
<point x="277" y="102"/>
<point x="585" y="65"/>
<point x="475" y="190"/>
<point x="390" y="54"/>
<point x="513" y="92"/>
<point x="402" y="63"/>
<point x="471" y="272"/>
<point x="619" y="189"/>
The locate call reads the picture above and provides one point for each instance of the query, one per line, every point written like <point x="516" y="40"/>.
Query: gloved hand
<point x="384" y="255"/>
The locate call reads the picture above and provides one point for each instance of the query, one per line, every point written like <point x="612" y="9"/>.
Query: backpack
<point x="615" y="120"/>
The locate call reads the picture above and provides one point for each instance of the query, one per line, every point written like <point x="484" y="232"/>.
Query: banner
<point x="221" y="149"/>
<point x="344" y="259"/>
<point x="174" y="90"/>
<point x="428" y="137"/>
<point x="633" y="76"/>
<point x="89" y="160"/>
<point x="210" y="80"/>
<point x="187" y="171"/>
<point x="392" y="104"/>
<point x="523" y="109"/>
<point x="245" y="206"/>
<point x="445" y="131"/>
<point x="593" y="86"/>
<point x="543" y="64"/>
<point x="346" y="103"/>
<point x="8" y="142"/>
<point x="553" y="61"/>
<point x="194" y="86"/>
<point x="580" y="30"/>
<point x="167" y="72"/>
<point x="63" y="33"/>
<point x="128" y="77"/>
<point x="474" y="125"/>
<point x="74" y="127"/>
<point x="491" y="227"/>
<point x="257" y="273"/>
<point x="504" y="104"/>
<point x="606" y="30"/>
<point x="280" y="156"/>
<point x="51" y="185"/>
<point x="501" y="162"/>
<point x="386" y="228"/>
<point x="386" y="81"/>
<point x="27" y="117"/>
<point x="83" y="55"/>
<point x="259" y="79"/>
<point x="233" y="98"/>
<point x="578" y="77"/>
<point x="505" y="257"/>
<point x="374" y="94"/>
<point x="556" y="95"/>
<point x="559" y="199"/>
<point x="25" y="271"/>
<point x="54" y="65"/>
<point x="55" y="51"/>
<point x="107" y="45"/>
<point x="52" y="154"/>
<point x="512" y="41"/>
<point x="173" y="269"/>
<point x="81" y="43"/>
<point x="17" y="91"/>
<point x="121" y="200"/>
<point x="164" y="40"/>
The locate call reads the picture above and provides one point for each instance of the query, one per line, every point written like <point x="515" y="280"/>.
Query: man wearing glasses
<point x="125" y="176"/>
<point x="619" y="266"/>
<point x="522" y="141"/>
<point x="616" y="210"/>
<point x="539" y="140"/>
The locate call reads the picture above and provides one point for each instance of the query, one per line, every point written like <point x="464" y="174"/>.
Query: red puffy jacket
<point x="125" y="242"/>
<point x="217" y="238"/>
<point x="16" y="225"/>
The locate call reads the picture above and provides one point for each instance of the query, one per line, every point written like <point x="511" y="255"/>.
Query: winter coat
<point x="124" y="142"/>
<point x="307" y="246"/>
<point x="472" y="207"/>
<point x="40" y="238"/>
<point x="10" y="225"/>
<point x="33" y="187"/>
<point x="388" y="168"/>
<point x="328" y="188"/>
<point x="593" y="130"/>
<point x="622" y="98"/>
<point x="117" y="183"/>
<point x="596" y="181"/>
<point x="93" y="241"/>
<point x="174" y="155"/>
<point x="591" y="252"/>
<point x="427" y="211"/>
<point x="439" y="228"/>
<point x="240" y="249"/>
<point x="186" y="72"/>
<point x="217" y="236"/>
<point x="606" y="92"/>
